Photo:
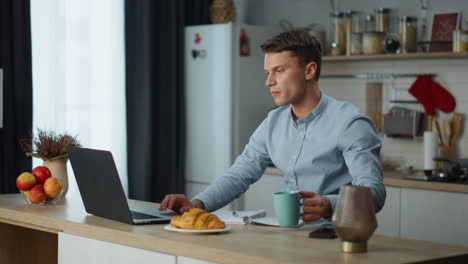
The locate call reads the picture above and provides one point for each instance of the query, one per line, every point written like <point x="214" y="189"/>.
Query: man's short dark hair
<point x="304" y="46"/>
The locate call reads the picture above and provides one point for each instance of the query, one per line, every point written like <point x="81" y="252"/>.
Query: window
<point x="78" y="62"/>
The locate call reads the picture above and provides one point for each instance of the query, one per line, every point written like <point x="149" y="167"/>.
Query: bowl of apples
<point x="39" y="187"/>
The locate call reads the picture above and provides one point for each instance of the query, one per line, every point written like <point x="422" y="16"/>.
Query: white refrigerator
<point x="226" y="96"/>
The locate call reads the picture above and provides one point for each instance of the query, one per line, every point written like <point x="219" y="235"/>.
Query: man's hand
<point x="315" y="206"/>
<point x="179" y="203"/>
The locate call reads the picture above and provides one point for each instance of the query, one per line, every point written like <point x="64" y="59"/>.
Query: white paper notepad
<point x="272" y="221"/>
<point x="239" y="217"/>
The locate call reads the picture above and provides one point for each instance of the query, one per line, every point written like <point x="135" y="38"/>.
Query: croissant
<point x="197" y="219"/>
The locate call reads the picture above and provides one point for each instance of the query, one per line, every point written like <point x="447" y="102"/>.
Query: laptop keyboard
<point x="137" y="215"/>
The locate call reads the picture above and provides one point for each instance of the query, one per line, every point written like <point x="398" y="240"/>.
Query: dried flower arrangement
<point x="48" y="145"/>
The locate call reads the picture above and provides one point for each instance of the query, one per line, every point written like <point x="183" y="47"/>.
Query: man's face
<point x="286" y="78"/>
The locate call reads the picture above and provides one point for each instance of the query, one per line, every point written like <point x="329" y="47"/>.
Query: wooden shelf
<point x="407" y="56"/>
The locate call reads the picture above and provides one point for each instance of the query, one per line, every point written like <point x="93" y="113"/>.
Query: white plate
<point x="196" y="231"/>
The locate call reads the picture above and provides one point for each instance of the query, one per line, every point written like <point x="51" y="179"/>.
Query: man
<point x="319" y="143"/>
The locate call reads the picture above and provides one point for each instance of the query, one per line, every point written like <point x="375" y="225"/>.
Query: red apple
<point x="52" y="187"/>
<point x="41" y="173"/>
<point x="37" y="194"/>
<point x="25" y="181"/>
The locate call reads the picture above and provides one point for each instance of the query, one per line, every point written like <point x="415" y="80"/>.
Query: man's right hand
<point x="179" y="203"/>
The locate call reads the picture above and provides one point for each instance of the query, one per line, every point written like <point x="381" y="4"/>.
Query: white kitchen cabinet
<point x="388" y="219"/>
<point x="77" y="249"/>
<point x="435" y="216"/>
<point x="259" y="195"/>
<point x="186" y="260"/>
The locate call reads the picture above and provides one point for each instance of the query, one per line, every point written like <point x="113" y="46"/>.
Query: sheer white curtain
<point x="79" y="73"/>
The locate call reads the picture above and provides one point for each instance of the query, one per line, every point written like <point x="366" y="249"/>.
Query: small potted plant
<point x="52" y="149"/>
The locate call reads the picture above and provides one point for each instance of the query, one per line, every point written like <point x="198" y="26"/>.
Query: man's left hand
<point x="315" y="206"/>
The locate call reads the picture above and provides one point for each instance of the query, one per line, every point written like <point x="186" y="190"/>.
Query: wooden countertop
<point x="397" y="179"/>
<point x="244" y="244"/>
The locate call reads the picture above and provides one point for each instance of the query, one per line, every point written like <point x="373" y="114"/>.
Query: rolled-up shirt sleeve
<point x="361" y="144"/>
<point x="246" y="170"/>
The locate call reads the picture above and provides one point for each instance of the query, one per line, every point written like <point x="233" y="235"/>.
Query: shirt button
<point x="294" y="156"/>
<point x="291" y="181"/>
<point x="301" y="134"/>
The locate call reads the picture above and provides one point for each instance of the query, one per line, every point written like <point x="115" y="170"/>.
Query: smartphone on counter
<point x="326" y="232"/>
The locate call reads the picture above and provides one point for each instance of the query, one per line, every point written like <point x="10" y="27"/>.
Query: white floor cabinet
<point x="185" y="260"/>
<point x="388" y="219"/>
<point x="434" y="216"/>
<point x="77" y="249"/>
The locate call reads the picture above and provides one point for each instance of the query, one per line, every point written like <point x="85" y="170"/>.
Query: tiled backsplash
<point x="452" y="74"/>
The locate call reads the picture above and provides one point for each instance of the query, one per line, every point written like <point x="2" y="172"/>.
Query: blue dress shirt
<point x="335" y="144"/>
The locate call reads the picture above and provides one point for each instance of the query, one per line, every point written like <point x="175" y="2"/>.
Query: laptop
<point x="102" y="192"/>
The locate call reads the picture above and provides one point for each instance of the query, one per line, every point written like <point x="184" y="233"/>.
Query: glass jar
<point x="358" y="19"/>
<point x="382" y="19"/>
<point x="392" y="43"/>
<point x="355" y="41"/>
<point x="348" y="25"/>
<point x="407" y="32"/>
<point x="460" y="40"/>
<point x="369" y="23"/>
<point x="353" y="24"/>
<point x="373" y="42"/>
<point x="337" y="33"/>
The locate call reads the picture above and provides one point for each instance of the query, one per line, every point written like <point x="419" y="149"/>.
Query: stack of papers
<point x="239" y="217"/>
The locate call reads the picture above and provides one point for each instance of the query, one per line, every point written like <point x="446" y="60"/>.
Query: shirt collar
<point x="317" y="110"/>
